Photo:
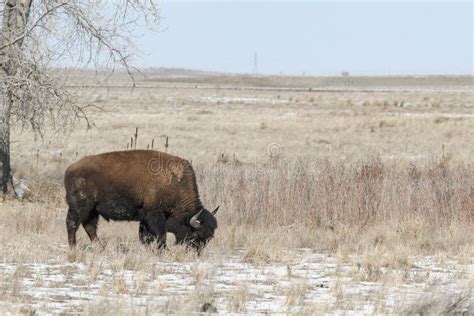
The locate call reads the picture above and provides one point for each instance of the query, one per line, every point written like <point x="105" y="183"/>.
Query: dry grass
<point x="376" y="180"/>
<point x="460" y="303"/>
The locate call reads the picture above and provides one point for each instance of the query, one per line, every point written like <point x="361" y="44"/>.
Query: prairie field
<point x="338" y="195"/>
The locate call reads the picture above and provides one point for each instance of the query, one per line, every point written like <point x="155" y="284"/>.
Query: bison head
<point x="202" y="225"/>
<point x="196" y="231"/>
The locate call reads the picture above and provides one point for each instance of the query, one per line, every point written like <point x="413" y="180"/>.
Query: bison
<point x="154" y="188"/>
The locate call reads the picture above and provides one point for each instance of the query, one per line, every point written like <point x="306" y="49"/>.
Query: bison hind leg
<point x="80" y="211"/>
<point x="90" y="225"/>
<point x="72" y="224"/>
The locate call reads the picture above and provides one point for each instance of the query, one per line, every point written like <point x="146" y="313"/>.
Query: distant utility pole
<point x="255" y="63"/>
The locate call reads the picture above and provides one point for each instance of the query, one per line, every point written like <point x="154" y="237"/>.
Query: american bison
<point x="154" y="188"/>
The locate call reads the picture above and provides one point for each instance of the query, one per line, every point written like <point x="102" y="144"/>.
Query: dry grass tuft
<point x="295" y="294"/>
<point x="239" y="298"/>
<point x="378" y="263"/>
<point x="442" y="304"/>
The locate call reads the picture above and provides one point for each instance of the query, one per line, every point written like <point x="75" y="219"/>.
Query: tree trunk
<point x="5" y="145"/>
<point x="15" y="21"/>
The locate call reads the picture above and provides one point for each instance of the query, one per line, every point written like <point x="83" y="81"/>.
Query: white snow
<point x="239" y="100"/>
<point x="59" y="287"/>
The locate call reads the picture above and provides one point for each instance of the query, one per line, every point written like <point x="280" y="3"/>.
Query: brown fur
<point x="140" y="185"/>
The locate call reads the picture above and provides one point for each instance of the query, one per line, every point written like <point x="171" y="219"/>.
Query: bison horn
<point x="194" y="221"/>
<point x="215" y="211"/>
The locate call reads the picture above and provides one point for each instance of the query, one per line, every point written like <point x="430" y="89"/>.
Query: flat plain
<point x="338" y="195"/>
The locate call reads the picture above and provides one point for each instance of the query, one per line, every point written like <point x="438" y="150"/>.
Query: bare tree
<point x="36" y="36"/>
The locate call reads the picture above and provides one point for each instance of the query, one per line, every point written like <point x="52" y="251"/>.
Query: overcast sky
<point x="313" y="37"/>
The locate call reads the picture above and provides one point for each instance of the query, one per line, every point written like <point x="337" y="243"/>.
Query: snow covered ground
<point x="312" y="282"/>
<point x="239" y="100"/>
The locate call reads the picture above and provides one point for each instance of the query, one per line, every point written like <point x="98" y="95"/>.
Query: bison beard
<point x="196" y="236"/>
<point x="154" y="188"/>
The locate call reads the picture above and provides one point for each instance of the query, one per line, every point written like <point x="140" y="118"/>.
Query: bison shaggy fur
<point x="151" y="187"/>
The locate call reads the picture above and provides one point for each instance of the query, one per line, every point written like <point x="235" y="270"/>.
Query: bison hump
<point x="173" y="171"/>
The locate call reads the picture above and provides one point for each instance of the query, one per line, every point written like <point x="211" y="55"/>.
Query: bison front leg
<point x="153" y="228"/>
<point x="144" y="234"/>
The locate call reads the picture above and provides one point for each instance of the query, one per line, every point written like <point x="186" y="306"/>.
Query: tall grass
<point x="322" y="204"/>
<point x="323" y="193"/>
<point x="327" y="204"/>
